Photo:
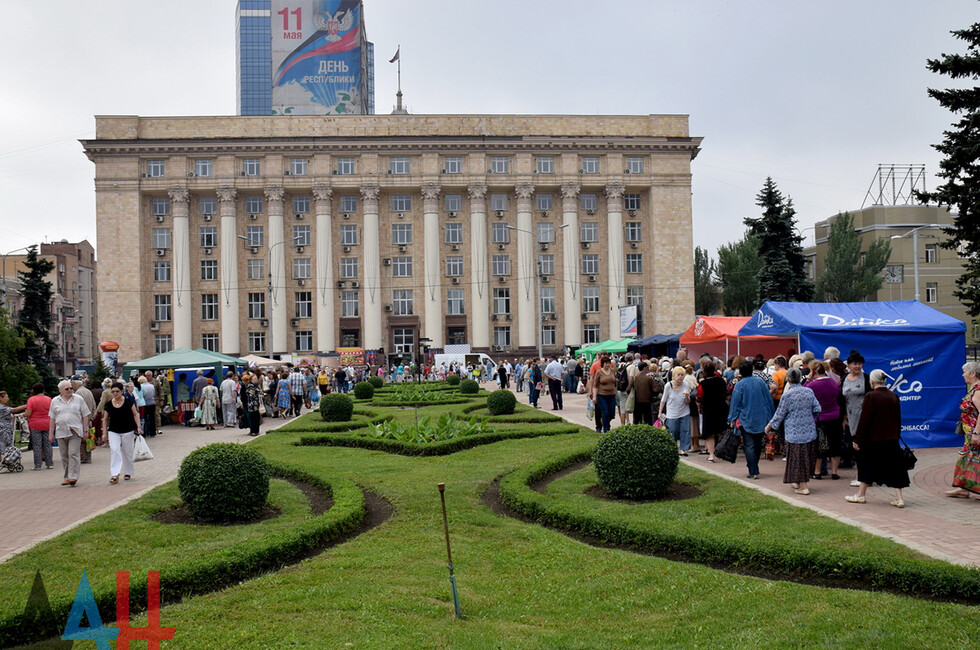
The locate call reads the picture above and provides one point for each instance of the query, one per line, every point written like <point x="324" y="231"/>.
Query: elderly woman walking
<point x="38" y="405"/>
<point x="966" y="475"/>
<point x="68" y="423"/>
<point x="796" y="413"/>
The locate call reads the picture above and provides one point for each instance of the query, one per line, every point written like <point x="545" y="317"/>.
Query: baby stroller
<point x="10" y="460"/>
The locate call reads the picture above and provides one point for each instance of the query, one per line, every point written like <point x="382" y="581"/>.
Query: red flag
<point x="397" y="55"/>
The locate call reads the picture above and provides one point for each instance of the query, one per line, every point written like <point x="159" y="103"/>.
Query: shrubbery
<point x="364" y="390"/>
<point x="376" y="381"/>
<point x="453" y="379"/>
<point x="469" y="387"/>
<point x="636" y="461"/>
<point x="501" y="402"/>
<point x="224" y="482"/>
<point x="336" y="407"/>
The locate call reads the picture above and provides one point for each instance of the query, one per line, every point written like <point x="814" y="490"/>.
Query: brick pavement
<point x="34" y="506"/>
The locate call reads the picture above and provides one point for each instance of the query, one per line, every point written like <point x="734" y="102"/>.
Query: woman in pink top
<point x="828" y="393"/>
<point x="37" y="420"/>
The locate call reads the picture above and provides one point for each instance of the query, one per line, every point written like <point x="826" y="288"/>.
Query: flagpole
<point x="399" y="68"/>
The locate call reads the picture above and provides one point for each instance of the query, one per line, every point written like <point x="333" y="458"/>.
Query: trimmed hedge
<point x="376" y="381"/>
<point x="336" y="407"/>
<point x="501" y="402"/>
<point x="364" y="390"/>
<point x="779" y="557"/>
<point x="359" y="420"/>
<point x="636" y="461"/>
<point x="469" y="387"/>
<point x="195" y="575"/>
<point x="224" y="482"/>
<point x="395" y="402"/>
<point x="453" y="379"/>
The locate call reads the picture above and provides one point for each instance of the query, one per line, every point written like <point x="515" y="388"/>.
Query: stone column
<point x="373" y="299"/>
<point x="616" y="280"/>
<point x="228" y="273"/>
<point x="325" y="290"/>
<point x="183" y="309"/>
<point x="278" y="298"/>
<point x="571" y="300"/>
<point x="526" y="270"/>
<point x="435" y="325"/>
<point x="479" y="311"/>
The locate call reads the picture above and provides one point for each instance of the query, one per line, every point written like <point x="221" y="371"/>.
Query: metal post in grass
<point x="449" y="552"/>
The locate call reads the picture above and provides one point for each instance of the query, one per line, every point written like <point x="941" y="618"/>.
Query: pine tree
<point x="16" y="377"/>
<point x="782" y="276"/>
<point x="738" y="271"/>
<point x="960" y="168"/>
<point x="707" y="296"/>
<point x="847" y="277"/>
<point x="35" y="317"/>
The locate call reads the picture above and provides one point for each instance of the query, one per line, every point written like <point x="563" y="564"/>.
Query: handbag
<point x="966" y="474"/>
<point x="631" y="401"/>
<point x="727" y="447"/>
<point x="823" y="444"/>
<point x="198" y="413"/>
<point x="581" y="387"/>
<point x="589" y="408"/>
<point x="539" y="386"/>
<point x="908" y="456"/>
<point x="141" y="450"/>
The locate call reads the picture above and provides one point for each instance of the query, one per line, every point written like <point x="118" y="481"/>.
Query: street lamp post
<point x="3" y="281"/>
<point x="538" y="295"/>
<point x="915" y="253"/>
<point x="270" y="319"/>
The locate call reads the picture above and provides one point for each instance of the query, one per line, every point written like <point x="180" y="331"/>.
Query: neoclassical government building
<point x="284" y="234"/>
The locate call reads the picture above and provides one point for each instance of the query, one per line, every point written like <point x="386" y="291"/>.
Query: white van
<point x="466" y="360"/>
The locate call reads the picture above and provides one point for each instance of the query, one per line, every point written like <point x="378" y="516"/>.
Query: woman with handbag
<point x="966" y="475"/>
<point x="829" y="429"/>
<point x="797" y="410"/>
<point x="252" y="402"/>
<point x="675" y="403"/>
<point x="208" y="403"/>
<point x="603" y="394"/>
<point x="880" y="457"/>
<point x="713" y="406"/>
<point x="120" y="426"/>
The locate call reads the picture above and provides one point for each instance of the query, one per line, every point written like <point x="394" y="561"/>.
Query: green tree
<point x="847" y="275"/>
<point x="782" y="276"/>
<point x="99" y="371"/>
<point x="16" y="377"/>
<point x="738" y="272"/>
<point x="959" y="167"/>
<point x="35" y="317"/>
<point x="707" y="296"/>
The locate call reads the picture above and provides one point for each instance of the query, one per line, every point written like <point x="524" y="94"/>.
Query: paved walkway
<point x="930" y="523"/>
<point x="34" y="506"/>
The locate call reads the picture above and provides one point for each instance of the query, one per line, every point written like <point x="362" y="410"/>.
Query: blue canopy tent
<point x="658" y="345"/>
<point x="920" y="349"/>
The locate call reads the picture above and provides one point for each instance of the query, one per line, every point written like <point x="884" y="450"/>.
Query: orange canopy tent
<point x="718" y="336"/>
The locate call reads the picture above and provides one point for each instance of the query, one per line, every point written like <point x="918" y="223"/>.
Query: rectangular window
<point x="209" y="269"/>
<point x="209" y="342"/>
<point x="348" y="267"/>
<point x="304" y="341"/>
<point x="454" y="202"/>
<point x="454" y="265"/>
<point x="348" y="203"/>
<point x="498" y="202"/>
<point x="590" y="334"/>
<point x="208" y="205"/>
<point x="209" y="237"/>
<point x="401" y="202"/>
<point x="548" y="300"/>
<point x="454" y="302"/>
<point x="209" y="306"/>
<point x="457" y="335"/>
<point x="631" y="201"/>
<point x="545" y="165"/>
<point x="546" y="264"/>
<point x="501" y="264"/>
<point x="453" y="165"/>
<point x="161" y="271"/>
<point x="255" y="235"/>
<point x="401" y="267"/>
<point x="454" y="233"/>
<point x="161" y="307"/>
<point x="161" y="207"/>
<point x="350" y="338"/>
<point x="349" y="304"/>
<point x="301" y="235"/>
<point x="256" y="305"/>
<point x="589" y="231"/>
<point x="634" y="164"/>
<point x="590" y="300"/>
<point x="302" y="268"/>
<point x="590" y="264"/>
<point x="634" y="231"/>
<point x="544" y="202"/>
<point x="501" y="336"/>
<point x="301" y="204"/>
<point x="634" y="296"/>
<point x="403" y="302"/>
<point x="590" y="164"/>
<point x="348" y="235"/>
<point x="547" y="335"/>
<point x="499" y="233"/>
<point x="634" y="263"/>
<point x="203" y="167"/>
<point x="250" y="167"/>
<point x="162" y="343"/>
<point x="401" y="233"/>
<point x="932" y="292"/>
<point x="932" y="253"/>
<point x="404" y="340"/>
<point x="546" y="232"/>
<point x="303" y="304"/>
<point x="297" y="166"/>
<point x="501" y="302"/>
<point x="346" y="167"/>
<point x="256" y="342"/>
<point x="154" y="168"/>
<point x="499" y="165"/>
<point x="588" y="202"/>
<point x="161" y="238"/>
<point x="253" y="204"/>
<point x="400" y="165"/>
<point x="255" y="269"/>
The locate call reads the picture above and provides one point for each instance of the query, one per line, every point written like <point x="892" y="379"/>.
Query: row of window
<point x="397" y="165"/>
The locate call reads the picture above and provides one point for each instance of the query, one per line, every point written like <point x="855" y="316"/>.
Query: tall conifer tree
<point x="35" y="317"/>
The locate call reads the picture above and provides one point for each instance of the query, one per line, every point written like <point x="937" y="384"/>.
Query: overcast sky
<point x="814" y="94"/>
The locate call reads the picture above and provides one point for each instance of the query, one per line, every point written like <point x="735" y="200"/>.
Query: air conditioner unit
<point x="253" y="217"/>
<point x="388" y="307"/>
<point x="501" y="247"/>
<point x="545" y="278"/>
<point x="544" y="246"/>
<point x="301" y="283"/>
<point x="590" y="211"/>
<point x="581" y="171"/>
<point x="207" y="251"/>
<point x="585" y="316"/>
<point x="402" y="248"/>
<point x="142" y="175"/>
<point x="161" y="252"/>
<point x="299" y="215"/>
<point x="294" y="322"/>
<point x="355" y="284"/>
<point x="300" y="249"/>
<point x="544" y="213"/>
<point x="500" y="213"/>
<point x="626" y="171"/>
<point x="347" y="215"/>
<point x="502" y="279"/>
<point x="498" y="348"/>
<point x="455" y="280"/>
<point x="443" y="171"/>
<point x="508" y="317"/>
<point x="192" y="174"/>
<point x="207" y="217"/>
<point x="341" y="284"/>
<point x="154" y="326"/>
<point x="634" y="244"/>
<point x="159" y="217"/>
<point x="489" y="171"/>
<point x="586" y="245"/>
<point x="554" y="316"/>
<point x="452" y="213"/>
<point x="263" y="323"/>
<point x="632" y="213"/>
<point x="335" y="172"/>
<point x="287" y="173"/>
<point x="493" y="317"/>
<point x="592" y="278"/>
<point x="387" y="261"/>
<point x="454" y="247"/>
<point x="254" y="250"/>
<point x="346" y="249"/>
<point x="401" y="215"/>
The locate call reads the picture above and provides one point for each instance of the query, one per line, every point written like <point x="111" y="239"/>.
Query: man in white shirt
<point x="229" y="407"/>
<point x="554" y="372"/>
<point x="69" y="421"/>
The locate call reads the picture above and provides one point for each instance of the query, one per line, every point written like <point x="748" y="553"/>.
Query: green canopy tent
<point x="229" y="360"/>
<point x="183" y="358"/>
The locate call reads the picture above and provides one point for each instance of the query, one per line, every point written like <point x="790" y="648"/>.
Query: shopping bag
<point x="581" y="387"/>
<point x="141" y="450"/>
<point x="589" y="408"/>
<point x="198" y="413"/>
<point x="966" y="474"/>
<point x="727" y="447"/>
<point x="823" y="444"/>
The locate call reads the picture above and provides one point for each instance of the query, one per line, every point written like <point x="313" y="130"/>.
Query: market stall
<point x="719" y="336"/>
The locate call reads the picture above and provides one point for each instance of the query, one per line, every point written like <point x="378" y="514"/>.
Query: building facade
<point x="916" y="237"/>
<point x="274" y="235"/>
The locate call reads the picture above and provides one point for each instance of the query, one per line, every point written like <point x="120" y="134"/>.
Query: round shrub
<point x="501" y="402"/>
<point x="336" y="407"/>
<point x="636" y="461"/>
<point x="453" y="379"/>
<point x="224" y="482"/>
<point x="469" y="387"/>
<point x="364" y="390"/>
<point x="377" y="382"/>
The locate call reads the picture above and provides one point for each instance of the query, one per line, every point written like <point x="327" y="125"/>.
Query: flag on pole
<point x="397" y="55"/>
